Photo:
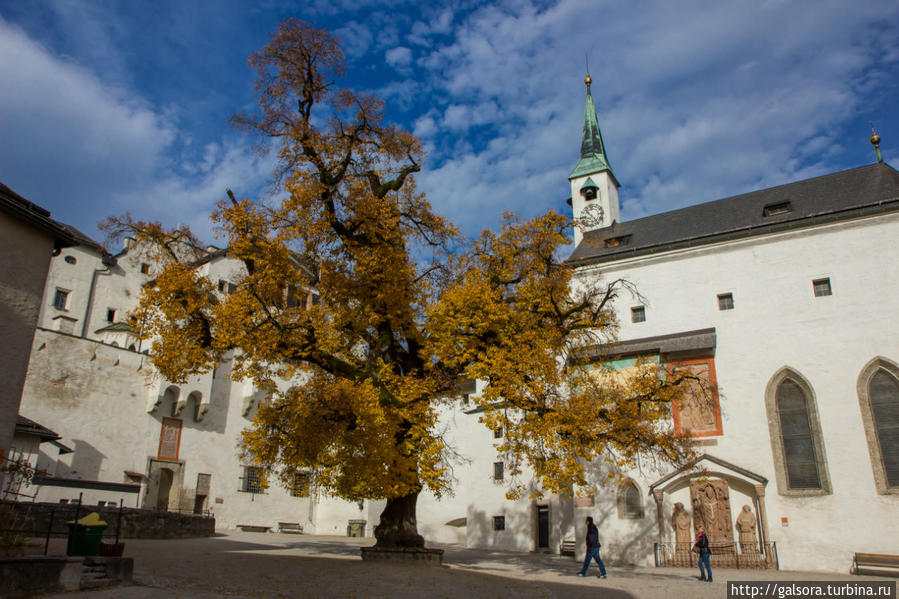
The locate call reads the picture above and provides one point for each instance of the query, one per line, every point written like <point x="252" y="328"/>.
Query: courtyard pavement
<point x="251" y="565"/>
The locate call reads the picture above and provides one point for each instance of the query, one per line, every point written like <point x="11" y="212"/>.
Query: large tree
<point x="404" y="314"/>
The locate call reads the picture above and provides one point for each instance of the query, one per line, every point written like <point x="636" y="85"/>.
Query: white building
<point x="785" y="300"/>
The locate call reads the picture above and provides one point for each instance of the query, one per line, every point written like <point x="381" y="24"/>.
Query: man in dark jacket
<point x="592" y="549"/>
<point x="705" y="556"/>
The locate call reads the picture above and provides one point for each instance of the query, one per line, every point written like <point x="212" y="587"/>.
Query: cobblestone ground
<point x="251" y="565"/>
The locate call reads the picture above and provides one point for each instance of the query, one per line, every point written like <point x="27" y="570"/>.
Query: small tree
<point x="392" y="336"/>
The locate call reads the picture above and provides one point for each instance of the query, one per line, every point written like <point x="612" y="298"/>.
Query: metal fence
<point x="762" y="556"/>
<point x="27" y="523"/>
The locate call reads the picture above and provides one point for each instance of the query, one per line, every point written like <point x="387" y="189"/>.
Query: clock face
<point x="591" y="216"/>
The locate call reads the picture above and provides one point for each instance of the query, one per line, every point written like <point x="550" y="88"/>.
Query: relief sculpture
<point x="711" y="510"/>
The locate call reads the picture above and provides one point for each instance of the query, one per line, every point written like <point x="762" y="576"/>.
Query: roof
<point x="18" y="207"/>
<point x="846" y="194"/>
<point x="593" y="152"/>
<point x="26" y="426"/>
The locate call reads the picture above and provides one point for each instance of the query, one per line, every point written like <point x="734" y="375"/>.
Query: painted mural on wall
<point x="700" y="412"/>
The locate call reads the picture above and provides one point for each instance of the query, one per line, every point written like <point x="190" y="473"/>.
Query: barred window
<point x="726" y="301"/>
<point x="638" y="314"/>
<point x="61" y="299"/>
<point x="499" y="523"/>
<point x="300" y="485"/>
<point x="253" y="480"/>
<point x="497" y="470"/>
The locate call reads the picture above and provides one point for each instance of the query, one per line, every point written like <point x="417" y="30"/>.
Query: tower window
<point x="638" y="314"/>
<point x="497" y="471"/>
<point x="144" y="268"/>
<point x="61" y="299"/>
<point x="822" y="287"/>
<point x="110" y="315"/>
<point x="499" y="523"/>
<point x="70" y="260"/>
<point x="725" y="301"/>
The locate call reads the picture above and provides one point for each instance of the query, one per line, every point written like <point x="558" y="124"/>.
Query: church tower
<point x="594" y="188"/>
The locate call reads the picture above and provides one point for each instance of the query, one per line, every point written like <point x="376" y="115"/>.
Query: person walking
<point x="592" y="549"/>
<point x="705" y="556"/>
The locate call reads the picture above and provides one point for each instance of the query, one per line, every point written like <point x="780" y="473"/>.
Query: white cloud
<point x="398" y="57"/>
<point x="103" y="149"/>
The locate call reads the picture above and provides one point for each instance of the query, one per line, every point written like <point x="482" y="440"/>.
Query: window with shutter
<point x="884" y="397"/>
<point x="796" y="441"/>
<point x="796" y="435"/>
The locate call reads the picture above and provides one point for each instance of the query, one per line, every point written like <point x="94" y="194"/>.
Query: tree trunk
<point x="398" y="527"/>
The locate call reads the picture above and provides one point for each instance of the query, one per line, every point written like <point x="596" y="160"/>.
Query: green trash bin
<point x="85" y="535"/>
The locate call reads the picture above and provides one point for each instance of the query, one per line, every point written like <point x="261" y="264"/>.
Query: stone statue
<point x="680" y="521"/>
<point x="746" y="527"/>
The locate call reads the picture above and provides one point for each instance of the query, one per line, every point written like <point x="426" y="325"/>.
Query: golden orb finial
<point x="588" y="80"/>
<point x="875" y="141"/>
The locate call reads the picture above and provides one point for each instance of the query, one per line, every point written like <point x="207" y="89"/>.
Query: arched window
<point x="796" y="441"/>
<point x="630" y="504"/>
<point x="878" y="396"/>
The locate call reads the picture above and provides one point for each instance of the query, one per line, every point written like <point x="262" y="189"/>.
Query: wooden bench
<point x="290" y="527"/>
<point x="567" y="547"/>
<point x="878" y="561"/>
<point x="253" y="528"/>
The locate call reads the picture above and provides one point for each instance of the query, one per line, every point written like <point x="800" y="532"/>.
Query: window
<point x="110" y="315"/>
<point x="878" y="396"/>
<point x="778" y="208"/>
<point x="613" y="242"/>
<point x="499" y="523"/>
<point x="253" y="480"/>
<point x="222" y="285"/>
<point x="726" y="301"/>
<point x="638" y="314"/>
<point x="498" y="433"/>
<point x="630" y="504"/>
<point x="61" y="299"/>
<point x="300" y="485"/>
<point x="822" y="287"/>
<point x="144" y="268"/>
<point x="796" y="440"/>
<point x="497" y="470"/>
<point x="70" y="260"/>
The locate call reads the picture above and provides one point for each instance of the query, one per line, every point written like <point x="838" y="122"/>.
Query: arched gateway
<point x="727" y="501"/>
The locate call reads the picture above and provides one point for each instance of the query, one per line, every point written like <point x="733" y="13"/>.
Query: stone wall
<point x="136" y="523"/>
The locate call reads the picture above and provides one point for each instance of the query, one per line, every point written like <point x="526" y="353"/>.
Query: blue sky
<point x="115" y="106"/>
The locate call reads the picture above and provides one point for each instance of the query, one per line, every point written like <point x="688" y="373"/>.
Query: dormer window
<point x="589" y="190"/>
<point x="777" y="209"/>
<point x="613" y="242"/>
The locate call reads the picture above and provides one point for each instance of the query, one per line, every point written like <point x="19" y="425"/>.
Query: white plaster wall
<point x="778" y="322"/>
<point x="607" y="198"/>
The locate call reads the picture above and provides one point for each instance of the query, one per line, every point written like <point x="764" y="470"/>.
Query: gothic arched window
<point x="796" y="440"/>
<point x="630" y="504"/>
<point x="878" y="396"/>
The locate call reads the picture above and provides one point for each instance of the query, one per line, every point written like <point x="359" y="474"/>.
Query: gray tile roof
<point x="846" y="194"/>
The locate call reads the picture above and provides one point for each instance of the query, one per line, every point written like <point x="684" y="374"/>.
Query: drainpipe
<point x="108" y="262"/>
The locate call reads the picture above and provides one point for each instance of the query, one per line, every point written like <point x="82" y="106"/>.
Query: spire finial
<point x="875" y="141"/>
<point x="587" y="80"/>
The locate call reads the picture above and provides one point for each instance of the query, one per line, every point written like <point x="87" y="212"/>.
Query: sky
<point x="108" y="107"/>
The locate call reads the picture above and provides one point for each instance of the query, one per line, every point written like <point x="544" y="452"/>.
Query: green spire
<point x="593" y="152"/>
